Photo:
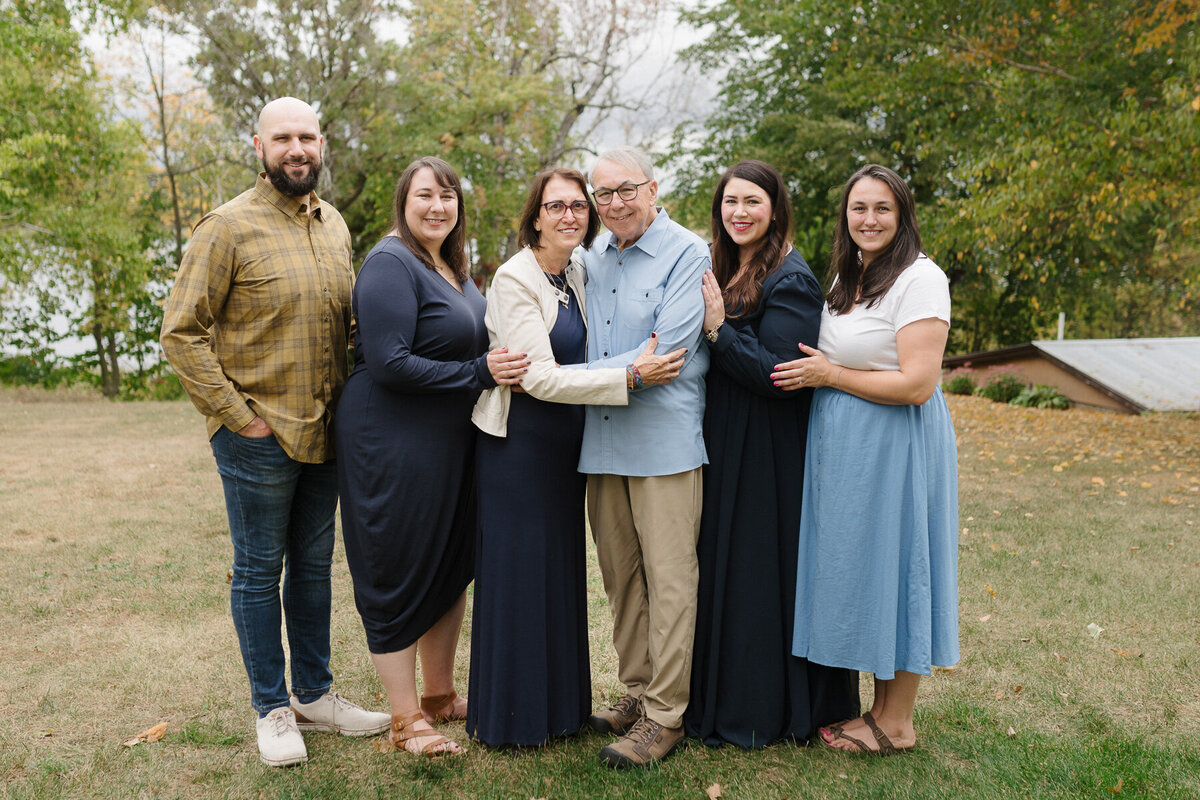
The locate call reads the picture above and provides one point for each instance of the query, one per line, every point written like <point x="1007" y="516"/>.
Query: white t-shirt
<point x="865" y="338"/>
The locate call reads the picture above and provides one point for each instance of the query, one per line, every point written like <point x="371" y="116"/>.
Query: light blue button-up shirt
<point x="653" y="286"/>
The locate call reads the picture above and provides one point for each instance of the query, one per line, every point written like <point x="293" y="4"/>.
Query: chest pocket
<point x="639" y="309"/>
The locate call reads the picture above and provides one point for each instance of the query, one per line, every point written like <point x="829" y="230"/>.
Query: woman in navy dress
<point x="530" y="677"/>
<point x="405" y="448"/>
<point x="760" y="299"/>
<point x="877" y="571"/>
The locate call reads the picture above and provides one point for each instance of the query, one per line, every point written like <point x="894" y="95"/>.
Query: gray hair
<point x="629" y="157"/>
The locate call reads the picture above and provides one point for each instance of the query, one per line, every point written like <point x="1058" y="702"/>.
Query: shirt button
<point x="606" y="418"/>
<point x="606" y="353"/>
<point x="608" y="322"/>
<point x="614" y="291"/>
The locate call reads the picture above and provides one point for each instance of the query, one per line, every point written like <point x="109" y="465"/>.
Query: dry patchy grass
<point x="115" y="602"/>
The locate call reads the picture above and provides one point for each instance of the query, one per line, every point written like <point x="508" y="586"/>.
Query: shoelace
<point x="281" y="723"/>
<point x="342" y="702"/>
<point x="644" y="731"/>
<point x="626" y="705"/>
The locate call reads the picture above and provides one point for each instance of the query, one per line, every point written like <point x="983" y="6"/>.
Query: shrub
<point x="960" y="381"/>
<point x="1040" y="396"/>
<point x="1000" y="384"/>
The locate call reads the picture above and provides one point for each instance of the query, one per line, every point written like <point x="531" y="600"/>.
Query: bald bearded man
<point x="256" y="328"/>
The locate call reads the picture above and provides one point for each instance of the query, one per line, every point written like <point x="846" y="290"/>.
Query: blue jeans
<point x="281" y="513"/>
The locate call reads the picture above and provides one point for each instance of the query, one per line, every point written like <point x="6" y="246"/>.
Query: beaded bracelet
<point x="635" y="376"/>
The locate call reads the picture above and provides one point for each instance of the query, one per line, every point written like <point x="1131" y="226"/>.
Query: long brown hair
<point x="453" y="249"/>
<point x="527" y="234"/>
<point x="742" y="286"/>
<point x="852" y="285"/>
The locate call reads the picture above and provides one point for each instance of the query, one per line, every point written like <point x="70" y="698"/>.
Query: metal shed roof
<point x="1160" y="374"/>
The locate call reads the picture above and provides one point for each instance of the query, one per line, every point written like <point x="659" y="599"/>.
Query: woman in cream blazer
<point x="530" y="680"/>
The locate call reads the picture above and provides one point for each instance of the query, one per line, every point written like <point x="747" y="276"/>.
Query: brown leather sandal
<point x="884" y="744"/>
<point x="402" y="731"/>
<point x="439" y="708"/>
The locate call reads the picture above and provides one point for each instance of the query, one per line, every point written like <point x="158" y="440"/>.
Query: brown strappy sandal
<point x="402" y="731"/>
<point x="885" y="745"/>
<point x="439" y="708"/>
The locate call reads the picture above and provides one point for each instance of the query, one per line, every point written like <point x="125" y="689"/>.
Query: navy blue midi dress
<point x="405" y="444"/>
<point x="530" y="677"/>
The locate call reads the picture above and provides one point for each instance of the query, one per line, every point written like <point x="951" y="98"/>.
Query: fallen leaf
<point x="1134" y="549"/>
<point x="713" y="791"/>
<point x="843" y="775"/>
<point x="985" y="617"/>
<point x="1121" y="653"/>
<point x="134" y="742"/>
<point x="1060" y="658"/>
<point x="229" y="576"/>
<point x="990" y="590"/>
<point x="1098" y="481"/>
<point x="999" y="695"/>
<point x="1095" y="630"/>
<point x="1012" y="733"/>
<point x="1117" y="789"/>
<point x="385" y="745"/>
<point x="153" y="734"/>
<point x="1017" y="688"/>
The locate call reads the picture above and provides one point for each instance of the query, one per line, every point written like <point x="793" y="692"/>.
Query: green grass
<point x="115" y="606"/>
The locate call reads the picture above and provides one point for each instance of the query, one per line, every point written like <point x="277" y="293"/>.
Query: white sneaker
<point x="279" y="741"/>
<point x="332" y="712"/>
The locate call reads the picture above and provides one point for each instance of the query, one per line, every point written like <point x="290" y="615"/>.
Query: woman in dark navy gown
<point x="760" y="299"/>
<point x="530" y="677"/>
<point x="405" y="448"/>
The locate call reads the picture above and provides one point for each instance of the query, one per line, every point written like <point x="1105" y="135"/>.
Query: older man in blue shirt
<point x="644" y="460"/>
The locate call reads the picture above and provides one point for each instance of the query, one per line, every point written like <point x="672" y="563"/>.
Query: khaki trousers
<point x="645" y="531"/>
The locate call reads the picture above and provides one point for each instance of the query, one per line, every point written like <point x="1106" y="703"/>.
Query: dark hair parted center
<point x="855" y="284"/>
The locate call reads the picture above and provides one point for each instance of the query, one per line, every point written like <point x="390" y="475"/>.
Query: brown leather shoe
<point x="646" y="741"/>
<point x="619" y="717"/>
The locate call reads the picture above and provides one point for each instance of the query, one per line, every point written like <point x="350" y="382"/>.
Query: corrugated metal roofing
<point x="1160" y="374"/>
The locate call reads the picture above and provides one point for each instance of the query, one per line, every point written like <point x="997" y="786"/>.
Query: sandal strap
<point x="402" y="729"/>
<point x="439" y="706"/>
<point x="885" y="744"/>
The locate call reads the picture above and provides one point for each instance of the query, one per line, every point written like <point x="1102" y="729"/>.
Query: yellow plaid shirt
<point x="259" y="319"/>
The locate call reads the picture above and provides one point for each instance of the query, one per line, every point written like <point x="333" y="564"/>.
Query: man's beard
<point x="284" y="182"/>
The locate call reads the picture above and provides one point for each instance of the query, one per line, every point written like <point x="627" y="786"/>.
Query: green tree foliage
<point x="509" y="88"/>
<point x="74" y="240"/>
<point x="1050" y="145"/>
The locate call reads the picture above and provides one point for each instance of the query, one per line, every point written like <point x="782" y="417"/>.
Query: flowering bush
<point x="959" y="381"/>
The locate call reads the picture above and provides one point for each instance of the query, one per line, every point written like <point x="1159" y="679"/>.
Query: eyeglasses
<point x="556" y="209"/>
<point x="627" y="191"/>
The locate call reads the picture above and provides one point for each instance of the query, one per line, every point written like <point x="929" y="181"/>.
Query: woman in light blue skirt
<point x="877" y="573"/>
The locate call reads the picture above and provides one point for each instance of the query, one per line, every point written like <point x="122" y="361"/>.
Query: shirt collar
<point x="287" y="204"/>
<point x="651" y="239"/>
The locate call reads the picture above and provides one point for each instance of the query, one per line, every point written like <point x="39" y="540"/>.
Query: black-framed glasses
<point x="626" y="191"/>
<point x="556" y="209"/>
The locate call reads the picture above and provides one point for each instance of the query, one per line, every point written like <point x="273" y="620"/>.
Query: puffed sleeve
<point x="791" y="315"/>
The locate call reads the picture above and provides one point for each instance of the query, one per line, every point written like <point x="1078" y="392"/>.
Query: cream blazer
<point x="521" y="311"/>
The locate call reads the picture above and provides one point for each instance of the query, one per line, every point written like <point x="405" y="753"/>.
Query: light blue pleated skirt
<point x="877" y="574"/>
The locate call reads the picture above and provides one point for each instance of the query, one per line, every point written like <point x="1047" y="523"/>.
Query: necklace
<point x="557" y="281"/>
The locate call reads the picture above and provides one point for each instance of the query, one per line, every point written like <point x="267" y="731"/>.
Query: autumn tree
<point x="509" y="88"/>
<point x="1050" y="145"/>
